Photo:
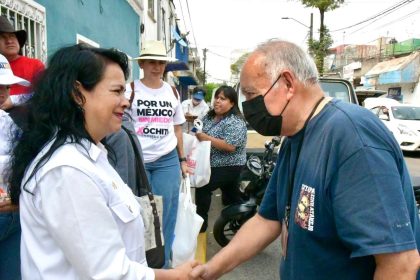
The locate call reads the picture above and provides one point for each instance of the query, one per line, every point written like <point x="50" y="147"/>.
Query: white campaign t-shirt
<point x="155" y="112"/>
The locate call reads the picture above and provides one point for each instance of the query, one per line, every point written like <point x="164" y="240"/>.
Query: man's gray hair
<point x="279" y="55"/>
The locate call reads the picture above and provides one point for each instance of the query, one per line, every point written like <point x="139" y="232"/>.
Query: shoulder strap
<point x="175" y="92"/>
<point x="141" y="179"/>
<point x="132" y="93"/>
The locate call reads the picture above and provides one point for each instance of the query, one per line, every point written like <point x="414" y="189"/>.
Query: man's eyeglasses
<point x="272" y="85"/>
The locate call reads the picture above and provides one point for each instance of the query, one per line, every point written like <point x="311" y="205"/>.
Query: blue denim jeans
<point x="10" y="246"/>
<point x="165" y="177"/>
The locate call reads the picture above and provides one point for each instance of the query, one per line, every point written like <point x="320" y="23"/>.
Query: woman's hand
<point x="202" y="136"/>
<point x="180" y="272"/>
<point x="184" y="169"/>
<point x="185" y="269"/>
<point x="7" y="206"/>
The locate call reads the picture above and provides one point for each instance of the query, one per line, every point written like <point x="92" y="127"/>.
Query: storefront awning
<point x="187" y="81"/>
<point x="176" y="66"/>
<point x="398" y="70"/>
<point x="178" y="38"/>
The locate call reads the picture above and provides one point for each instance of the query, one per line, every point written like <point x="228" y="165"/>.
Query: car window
<point x="336" y="90"/>
<point x="383" y="113"/>
<point x="375" y="110"/>
<point x="406" y="112"/>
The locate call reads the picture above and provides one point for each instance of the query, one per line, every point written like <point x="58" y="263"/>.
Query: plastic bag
<point x="187" y="228"/>
<point x="198" y="159"/>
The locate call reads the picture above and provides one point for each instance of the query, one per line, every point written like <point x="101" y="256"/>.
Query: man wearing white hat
<point x="9" y="215"/>
<point x="158" y="118"/>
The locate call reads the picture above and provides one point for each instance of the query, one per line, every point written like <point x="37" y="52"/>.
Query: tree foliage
<point x="235" y="68"/>
<point x="200" y="75"/>
<point x="209" y="90"/>
<point x="320" y="47"/>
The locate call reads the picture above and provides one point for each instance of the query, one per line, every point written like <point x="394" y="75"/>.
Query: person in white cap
<point x="9" y="215"/>
<point x="158" y="118"/>
<point x="194" y="108"/>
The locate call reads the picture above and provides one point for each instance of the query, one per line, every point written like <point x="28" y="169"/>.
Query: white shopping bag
<point x="187" y="228"/>
<point x="198" y="159"/>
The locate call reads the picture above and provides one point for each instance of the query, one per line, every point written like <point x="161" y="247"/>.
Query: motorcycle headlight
<point x="406" y="130"/>
<point x="254" y="165"/>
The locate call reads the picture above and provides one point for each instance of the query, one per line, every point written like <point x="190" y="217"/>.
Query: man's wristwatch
<point x="181" y="159"/>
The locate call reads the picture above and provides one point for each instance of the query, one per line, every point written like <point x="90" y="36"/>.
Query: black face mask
<point x="259" y="118"/>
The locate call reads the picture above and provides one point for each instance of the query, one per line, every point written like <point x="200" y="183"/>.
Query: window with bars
<point x="151" y="8"/>
<point x="29" y="16"/>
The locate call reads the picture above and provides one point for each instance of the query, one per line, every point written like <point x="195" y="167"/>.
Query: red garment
<point x="26" y="68"/>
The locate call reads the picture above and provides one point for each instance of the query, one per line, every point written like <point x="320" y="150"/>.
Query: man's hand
<point x="190" y="118"/>
<point x="200" y="272"/>
<point x="7" y="206"/>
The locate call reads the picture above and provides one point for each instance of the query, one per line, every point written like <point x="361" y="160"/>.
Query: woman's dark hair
<point x="231" y="94"/>
<point x="53" y="111"/>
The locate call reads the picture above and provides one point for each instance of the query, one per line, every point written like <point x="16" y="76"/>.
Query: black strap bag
<point x="151" y="212"/>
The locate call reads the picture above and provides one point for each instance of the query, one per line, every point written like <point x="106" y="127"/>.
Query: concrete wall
<point x="110" y="23"/>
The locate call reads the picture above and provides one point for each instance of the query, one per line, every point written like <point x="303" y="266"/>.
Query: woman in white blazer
<point x="79" y="220"/>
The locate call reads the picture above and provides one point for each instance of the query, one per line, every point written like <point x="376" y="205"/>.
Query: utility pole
<point x="204" y="60"/>
<point x="311" y="28"/>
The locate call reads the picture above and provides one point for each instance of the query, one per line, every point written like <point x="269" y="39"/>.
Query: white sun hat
<point x="154" y="50"/>
<point x="6" y="74"/>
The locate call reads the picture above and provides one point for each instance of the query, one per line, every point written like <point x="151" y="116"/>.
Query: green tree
<point x="200" y="75"/>
<point x="320" y="48"/>
<point x="209" y="90"/>
<point x="235" y="68"/>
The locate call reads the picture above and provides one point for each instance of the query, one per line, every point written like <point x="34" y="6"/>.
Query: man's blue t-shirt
<point x="352" y="196"/>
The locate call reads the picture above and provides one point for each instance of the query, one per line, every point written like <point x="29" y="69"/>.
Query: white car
<point x="402" y="119"/>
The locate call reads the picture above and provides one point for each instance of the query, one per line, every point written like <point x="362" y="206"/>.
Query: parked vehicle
<point x="403" y="120"/>
<point x="253" y="182"/>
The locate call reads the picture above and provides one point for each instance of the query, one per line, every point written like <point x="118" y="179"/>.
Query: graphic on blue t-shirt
<point x="305" y="210"/>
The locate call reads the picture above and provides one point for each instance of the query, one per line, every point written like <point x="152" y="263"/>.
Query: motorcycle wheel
<point x="226" y="227"/>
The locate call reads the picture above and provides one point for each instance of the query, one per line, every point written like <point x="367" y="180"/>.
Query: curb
<point x="201" y="251"/>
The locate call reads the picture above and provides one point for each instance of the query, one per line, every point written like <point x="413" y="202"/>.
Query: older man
<point x="340" y="196"/>
<point x="11" y="44"/>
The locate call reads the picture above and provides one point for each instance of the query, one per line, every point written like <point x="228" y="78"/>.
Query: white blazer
<point x="79" y="220"/>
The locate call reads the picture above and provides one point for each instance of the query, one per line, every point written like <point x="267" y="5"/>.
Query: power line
<point x="183" y="17"/>
<point x="401" y="18"/>
<point x="192" y="30"/>
<point x="380" y="14"/>
<point x="214" y="78"/>
<point x="219" y="55"/>
<point x="380" y="26"/>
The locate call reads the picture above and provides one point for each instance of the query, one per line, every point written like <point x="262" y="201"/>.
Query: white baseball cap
<point x="6" y="74"/>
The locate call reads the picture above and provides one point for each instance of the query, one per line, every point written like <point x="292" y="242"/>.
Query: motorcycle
<point x="252" y="184"/>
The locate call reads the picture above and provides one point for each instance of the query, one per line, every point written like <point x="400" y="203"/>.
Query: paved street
<point x="265" y="265"/>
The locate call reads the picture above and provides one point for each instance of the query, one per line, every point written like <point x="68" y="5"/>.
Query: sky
<point x="225" y="26"/>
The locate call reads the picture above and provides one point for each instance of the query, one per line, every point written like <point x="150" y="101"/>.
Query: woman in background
<point x="79" y="220"/>
<point x="225" y="128"/>
<point x="157" y="115"/>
